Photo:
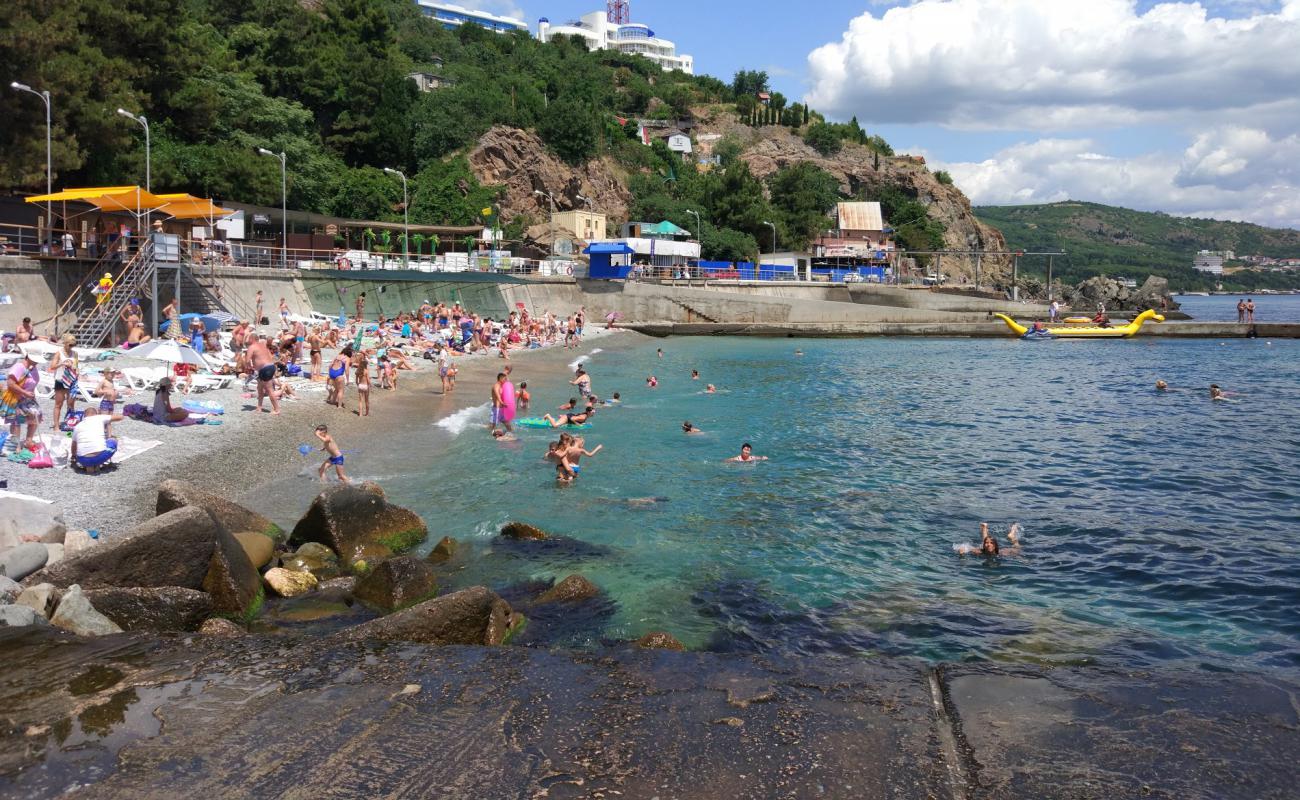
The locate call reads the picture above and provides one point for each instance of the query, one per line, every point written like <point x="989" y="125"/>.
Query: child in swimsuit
<point x="333" y="455"/>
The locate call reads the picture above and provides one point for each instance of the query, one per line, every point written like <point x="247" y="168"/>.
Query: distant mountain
<point x="1110" y="240"/>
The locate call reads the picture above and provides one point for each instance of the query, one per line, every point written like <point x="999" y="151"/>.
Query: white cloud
<point x="506" y="8"/>
<point x="1059" y="64"/>
<point x="1228" y="172"/>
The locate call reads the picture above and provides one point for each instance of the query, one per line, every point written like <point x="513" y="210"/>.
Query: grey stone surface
<point x="9" y="590"/>
<point x="56" y="553"/>
<point x="42" y="598"/>
<point x="22" y="516"/>
<point x="174" y="494"/>
<point x="167" y="608"/>
<point x="471" y="616"/>
<point x="23" y="560"/>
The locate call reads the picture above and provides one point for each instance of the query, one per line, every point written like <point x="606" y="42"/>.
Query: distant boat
<point x="1196" y="294"/>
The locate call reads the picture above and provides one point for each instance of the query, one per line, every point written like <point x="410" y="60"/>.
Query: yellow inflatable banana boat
<point x="1090" y="332"/>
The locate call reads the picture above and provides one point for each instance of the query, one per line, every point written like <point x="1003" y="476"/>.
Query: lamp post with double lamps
<point x="284" y="200"/>
<point x="49" y="171"/>
<point x="406" y="217"/>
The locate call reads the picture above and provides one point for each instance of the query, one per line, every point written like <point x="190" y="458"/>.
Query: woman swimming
<point x="988" y="545"/>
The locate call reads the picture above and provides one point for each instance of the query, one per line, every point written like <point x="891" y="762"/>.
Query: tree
<point x="942" y="176"/>
<point x="570" y="128"/>
<point x="726" y="244"/>
<point x="823" y="138"/>
<point x="446" y="192"/>
<point x="802" y="194"/>
<point x="749" y="82"/>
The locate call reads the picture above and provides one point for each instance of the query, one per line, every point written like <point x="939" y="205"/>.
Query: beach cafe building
<point x="861" y="243"/>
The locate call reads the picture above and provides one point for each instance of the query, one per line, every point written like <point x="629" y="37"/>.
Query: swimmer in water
<point x="989" y="545"/>
<point x="1216" y="393"/>
<point x="710" y="389"/>
<point x="695" y="374"/>
<point x="1161" y="386"/>
<point x="689" y="428"/>
<point x="615" y="399"/>
<point x="652" y="382"/>
<point x="504" y="436"/>
<point x="798" y="352"/>
<point x="661" y="352"/>
<point x="746" y="455"/>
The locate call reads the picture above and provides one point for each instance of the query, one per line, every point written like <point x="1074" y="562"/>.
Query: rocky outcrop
<point x="572" y="589"/>
<point x="162" y="609"/>
<point x="10" y="589"/>
<point x="522" y="530"/>
<point x="443" y="551"/>
<point x="259" y="548"/>
<point x="221" y="627"/>
<point x="22" y="516"/>
<point x="75" y="614"/>
<point x="42" y="598"/>
<point x="315" y="558"/>
<point x="858" y="172"/>
<point x="174" y="494"/>
<point x="1115" y="296"/>
<point x="474" y="616"/>
<point x="520" y="161"/>
<point x="185" y="548"/>
<point x="396" y="584"/>
<point x="357" y="522"/>
<point x="658" y="640"/>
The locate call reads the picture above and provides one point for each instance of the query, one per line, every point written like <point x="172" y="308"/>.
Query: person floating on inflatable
<point x="103" y="290"/>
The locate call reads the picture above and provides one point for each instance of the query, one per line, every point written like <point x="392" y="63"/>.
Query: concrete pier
<point x="989" y="330"/>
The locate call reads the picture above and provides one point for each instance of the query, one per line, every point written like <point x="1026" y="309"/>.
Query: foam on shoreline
<point x="458" y="421"/>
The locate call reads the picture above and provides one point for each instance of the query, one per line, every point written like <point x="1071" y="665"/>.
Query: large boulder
<point x="287" y="583"/>
<point x="185" y="548"/>
<point x="159" y="609"/>
<point x="76" y="541"/>
<point x="443" y="551"/>
<point x="474" y="616"/>
<point x="13" y="616"/>
<point x="358" y="523"/>
<point x="75" y="614"/>
<point x="21" y="515"/>
<point x="522" y="530"/>
<point x="572" y="589"/>
<point x="658" y="640"/>
<point x="174" y="494"/>
<point x="19" y="562"/>
<point x="259" y="548"/>
<point x="396" y="584"/>
<point x="42" y="598"/>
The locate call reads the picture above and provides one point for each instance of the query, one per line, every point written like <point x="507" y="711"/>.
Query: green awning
<point x="664" y="228"/>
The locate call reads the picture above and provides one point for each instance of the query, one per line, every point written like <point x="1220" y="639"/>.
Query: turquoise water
<point x="1158" y="527"/>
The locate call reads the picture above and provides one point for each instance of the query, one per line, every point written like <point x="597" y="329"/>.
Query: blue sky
<point x="1181" y="107"/>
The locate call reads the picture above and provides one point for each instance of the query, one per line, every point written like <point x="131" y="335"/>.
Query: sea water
<point x="1158" y="526"/>
<point x="1223" y="308"/>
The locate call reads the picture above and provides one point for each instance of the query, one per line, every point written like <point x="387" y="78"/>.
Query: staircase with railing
<point x="95" y="320"/>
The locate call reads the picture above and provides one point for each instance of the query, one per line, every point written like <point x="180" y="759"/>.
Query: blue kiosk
<point x="609" y="260"/>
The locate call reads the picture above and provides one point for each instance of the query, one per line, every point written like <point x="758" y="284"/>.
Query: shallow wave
<point x="459" y="421"/>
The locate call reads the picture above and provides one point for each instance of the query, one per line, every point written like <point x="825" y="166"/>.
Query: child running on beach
<point x="333" y="455"/>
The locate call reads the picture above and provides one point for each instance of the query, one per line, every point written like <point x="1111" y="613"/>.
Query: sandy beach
<point x="248" y="449"/>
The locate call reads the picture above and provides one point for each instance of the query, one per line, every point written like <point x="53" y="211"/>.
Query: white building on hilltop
<point x="453" y="16"/>
<point x="632" y="38"/>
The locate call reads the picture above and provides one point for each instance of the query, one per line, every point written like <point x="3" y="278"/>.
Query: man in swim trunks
<point x="497" y="401"/>
<point x="746" y="455"/>
<point x="264" y="365"/>
<point x="333" y="455"/>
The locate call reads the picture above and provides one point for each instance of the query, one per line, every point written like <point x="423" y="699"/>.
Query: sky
<point x="1190" y="108"/>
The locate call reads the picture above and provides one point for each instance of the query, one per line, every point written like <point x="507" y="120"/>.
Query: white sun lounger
<point x="144" y="378"/>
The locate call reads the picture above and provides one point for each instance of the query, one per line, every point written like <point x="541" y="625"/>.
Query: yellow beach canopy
<point x="107" y="198"/>
<point x="187" y="206"/>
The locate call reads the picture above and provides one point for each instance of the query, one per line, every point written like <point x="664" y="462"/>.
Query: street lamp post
<point x="773" y="227"/>
<point x="699" y="234"/>
<point x="551" y="197"/>
<point x="406" y="217"/>
<point x="284" y="201"/>
<point x="148" y="158"/>
<point x="49" y="172"/>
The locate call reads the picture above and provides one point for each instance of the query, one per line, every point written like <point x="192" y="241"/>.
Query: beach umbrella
<point x="171" y="351"/>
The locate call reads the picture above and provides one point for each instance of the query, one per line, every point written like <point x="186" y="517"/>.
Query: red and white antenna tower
<point x="619" y="11"/>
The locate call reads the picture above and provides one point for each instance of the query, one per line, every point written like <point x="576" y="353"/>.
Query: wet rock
<point x="443" y="551"/>
<point x="232" y="580"/>
<point x="522" y="530"/>
<point x="317" y="551"/>
<point x="14" y="616"/>
<point x="396" y="584"/>
<point x="23" y="560"/>
<point x="169" y="608"/>
<point x="174" y="494"/>
<point x="42" y="598"/>
<point x="474" y="616"/>
<point x="287" y="583"/>
<point x="658" y="640"/>
<point x="308" y="608"/>
<point x="29" y="516"/>
<point x="75" y="614"/>
<point x="9" y="590"/>
<point x="172" y="550"/>
<point x="258" y="547"/>
<point x="572" y="589"/>
<point x="56" y="553"/>
<point x="339" y="586"/>
<point x="358" y="523"/>
<point x="76" y="541"/>
<point x="218" y="626"/>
